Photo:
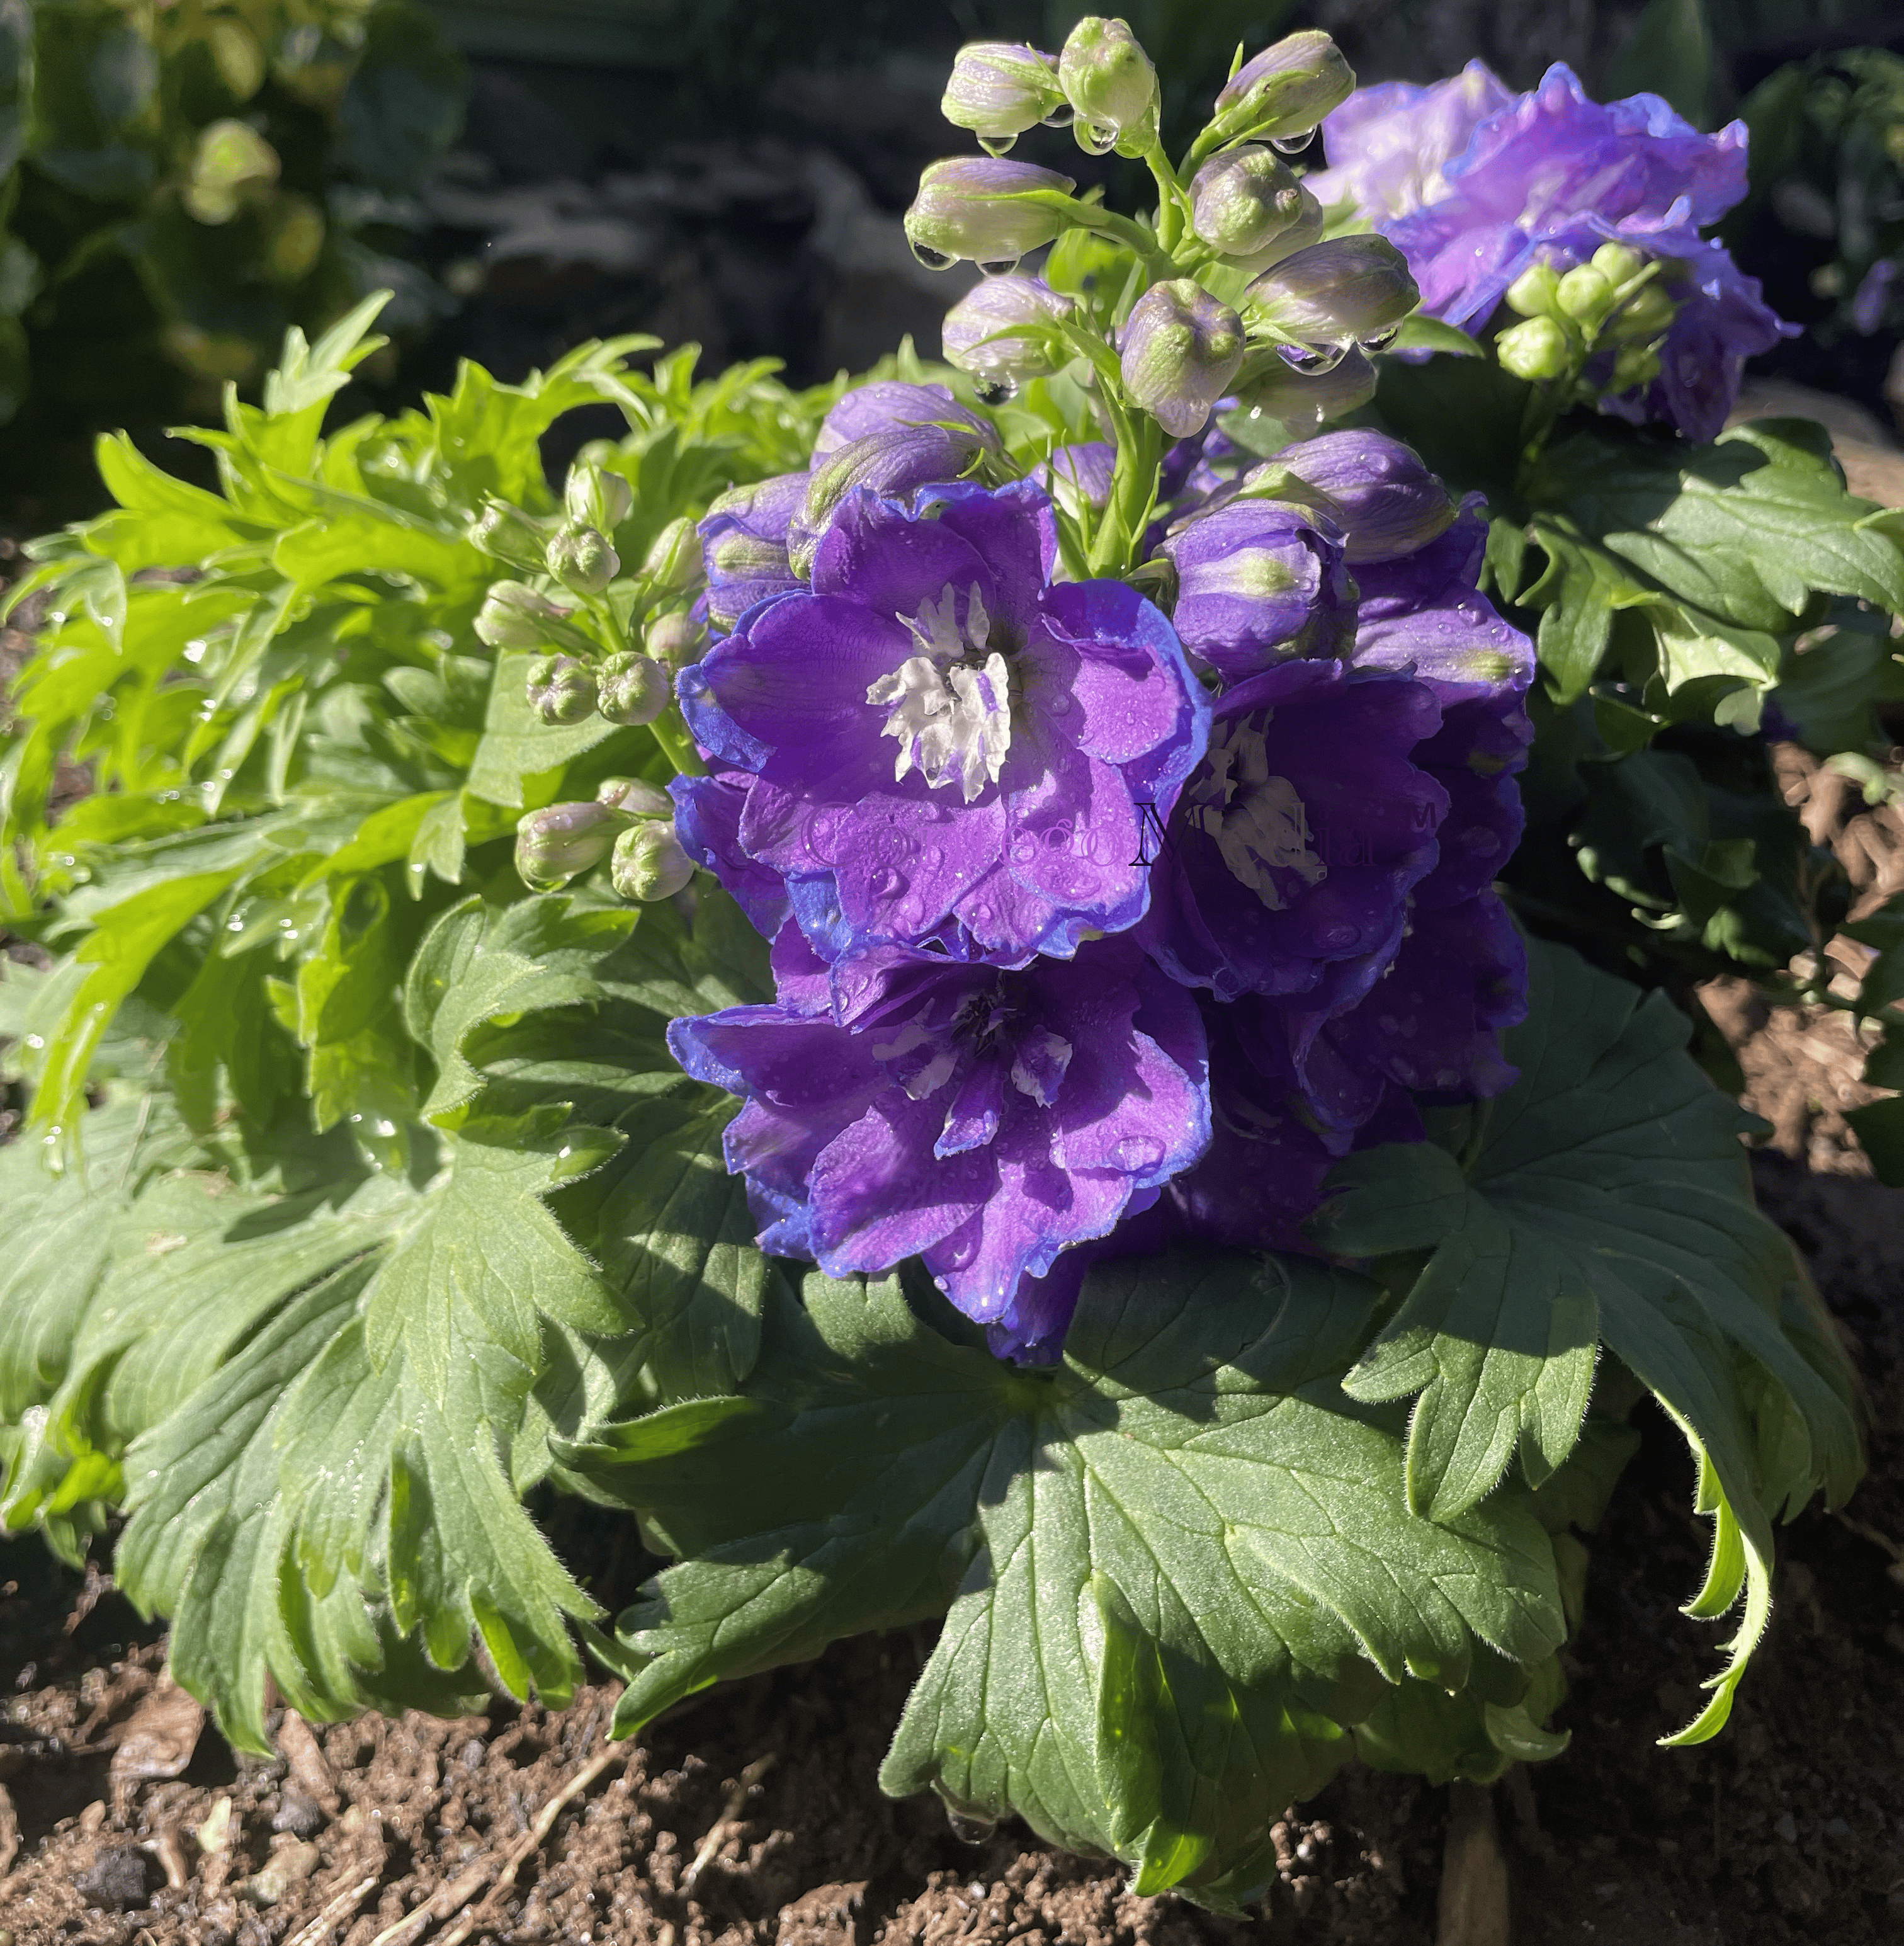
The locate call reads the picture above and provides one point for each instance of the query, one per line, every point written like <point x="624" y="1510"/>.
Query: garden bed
<point x="1783" y="1829"/>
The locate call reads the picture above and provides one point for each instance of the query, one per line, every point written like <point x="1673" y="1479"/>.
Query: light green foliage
<point x="1602" y="1200"/>
<point x="394" y="1178"/>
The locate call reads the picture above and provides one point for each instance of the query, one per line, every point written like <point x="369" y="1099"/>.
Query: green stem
<point x="1133" y="491"/>
<point x="671" y="732"/>
<point x="1170" y="198"/>
<point x="1123" y="229"/>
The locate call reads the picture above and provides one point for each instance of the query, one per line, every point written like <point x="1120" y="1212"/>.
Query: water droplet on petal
<point x="996" y="391"/>
<point x="998" y="145"/>
<point x="1292" y="145"/>
<point x="1139" y="1152"/>
<point x="999" y="267"/>
<point x="1381" y="340"/>
<point x="887" y="883"/>
<point x="934" y="260"/>
<point x="1312" y="361"/>
<point x="969" y="1830"/>
<point x="1099" y="138"/>
<point x="1062" y="117"/>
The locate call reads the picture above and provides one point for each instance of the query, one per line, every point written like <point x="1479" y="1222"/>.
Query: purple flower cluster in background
<point x="1090" y="930"/>
<point x="1475" y="184"/>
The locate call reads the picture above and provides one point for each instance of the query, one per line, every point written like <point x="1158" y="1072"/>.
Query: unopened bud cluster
<point x="1613" y="303"/>
<point x="629" y="823"/>
<point x="1185" y="331"/>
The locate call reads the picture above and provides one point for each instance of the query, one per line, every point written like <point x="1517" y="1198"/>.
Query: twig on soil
<point x="526" y="1846"/>
<point x="730" y="1811"/>
<point x="341" y="1905"/>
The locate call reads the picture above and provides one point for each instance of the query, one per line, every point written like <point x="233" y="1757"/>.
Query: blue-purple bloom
<point x="941" y="744"/>
<point x="1475" y="186"/>
<point x="982" y="1120"/>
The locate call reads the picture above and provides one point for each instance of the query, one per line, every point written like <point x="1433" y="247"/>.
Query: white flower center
<point x="1261" y="825"/>
<point x="951" y="713"/>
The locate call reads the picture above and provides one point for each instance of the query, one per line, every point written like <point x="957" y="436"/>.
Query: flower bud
<point x="1109" y="80"/>
<point x="674" y="640"/>
<point x="1585" y="294"/>
<point x="513" y="616"/>
<point x="560" y="689"/>
<point x="1535" y="292"/>
<point x="1618" y="262"/>
<point x="999" y="89"/>
<point x="1180" y="349"/>
<point x="1242" y="201"/>
<point x="1636" y="365"/>
<point x="1646" y="314"/>
<point x="595" y="497"/>
<point x="981" y="208"/>
<point x="673" y="565"/>
<point x="893" y="463"/>
<point x="1350" y="290"/>
<point x="634" y="797"/>
<point x="507" y="533"/>
<point x="1386" y="501"/>
<point x="1001" y="331"/>
<point x="744" y="545"/>
<point x="649" y="862"/>
<point x="1284" y="92"/>
<point x="1261" y="581"/>
<point x="1302" y="401"/>
<point x="1536" y="348"/>
<point x="555" y="844"/>
<point x="632" y="688"/>
<point x="582" y="560"/>
<point x="886" y="405"/>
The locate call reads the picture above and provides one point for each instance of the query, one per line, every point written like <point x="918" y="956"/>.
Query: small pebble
<point x="116" y="1880"/>
<point x="1787" y="1827"/>
<point x="302" y="1817"/>
<point x="1837" y="1828"/>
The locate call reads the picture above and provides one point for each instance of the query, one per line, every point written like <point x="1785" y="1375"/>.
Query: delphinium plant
<point x="976" y="1046"/>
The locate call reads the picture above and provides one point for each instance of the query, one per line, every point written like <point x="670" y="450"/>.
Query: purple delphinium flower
<point x="941" y="744"/>
<point x="1286" y="867"/>
<point x="1388" y="145"/>
<point x="978" y="1118"/>
<point x="1385" y="500"/>
<point x="1259" y="581"/>
<point x="888" y="405"/>
<point x="707" y="820"/>
<point x="1546" y="177"/>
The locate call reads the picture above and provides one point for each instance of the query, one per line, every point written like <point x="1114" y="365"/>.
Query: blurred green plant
<point x="239" y="157"/>
<point x="1827" y="162"/>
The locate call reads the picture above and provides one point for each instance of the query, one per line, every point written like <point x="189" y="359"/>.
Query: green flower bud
<point x="1180" y="349"/>
<point x="1534" y="349"/>
<point x="1535" y="292"/>
<point x="583" y="559"/>
<point x="673" y="564"/>
<point x="675" y="640"/>
<point x="1109" y="80"/>
<point x="595" y="497"/>
<point x="507" y="533"/>
<point x="649" y="862"/>
<point x="1351" y="290"/>
<point x="999" y="89"/>
<point x="1618" y="262"/>
<point x="1284" y="92"/>
<point x="634" y="797"/>
<point x="560" y="689"/>
<point x="1303" y="401"/>
<point x="1584" y="294"/>
<point x="981" y="208"/>
<point x="632" y="688"/>
<point x="1647" y="314"/>
<point x="1242" y="201"/>
<point x="1636" y="365"/>
<point x="560" y="841"/>
<point x="513" y="616"/>
<point x="1001" y="331"/>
